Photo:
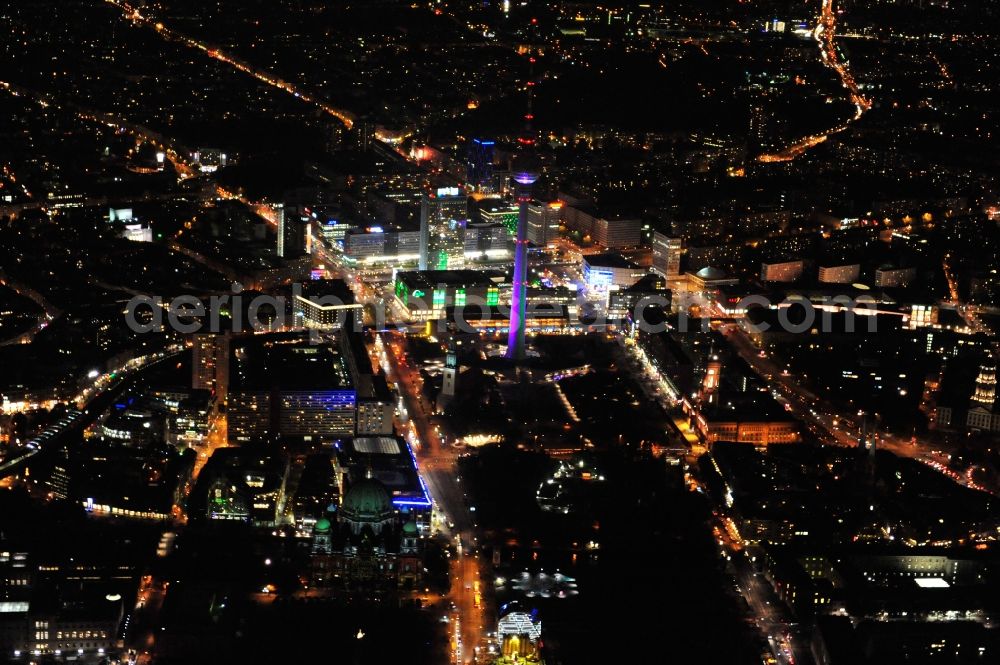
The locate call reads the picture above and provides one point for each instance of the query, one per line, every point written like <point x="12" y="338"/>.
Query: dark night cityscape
<point x="499" y="332"/>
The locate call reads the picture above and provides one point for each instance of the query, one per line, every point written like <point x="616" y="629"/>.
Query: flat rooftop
<point x="609" y="260"/>
<point x="267" y="363"/>
<point x="430" y="279"/>
<point x="389" y="460"/>
<point x="319" y="288"/>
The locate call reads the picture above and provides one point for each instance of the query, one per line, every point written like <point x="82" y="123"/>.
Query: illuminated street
<point x="437" y="465"/>
<point x="494" y="333"/>
<point x="825" y="35"/>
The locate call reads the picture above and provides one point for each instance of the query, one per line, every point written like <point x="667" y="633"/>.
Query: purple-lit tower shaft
<point x="525" y="174"/>
<point x="518" y="302"/>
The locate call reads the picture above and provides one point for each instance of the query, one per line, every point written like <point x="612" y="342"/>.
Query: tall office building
<point x="666" y="255"/>
<point x="210" y="363"/>
<point x="443" y="218"/>
<point x="615" y="232"/>
<point x="293" y="232"/>
<point x="757" y="135"/>
<point x="364" y="133"/>
<point x="768" y="129"/>
<point x="479" y="170"/>
<point x="485" y="242"/>
<point x="543" y="222"/>
<point x="611" y="231"/>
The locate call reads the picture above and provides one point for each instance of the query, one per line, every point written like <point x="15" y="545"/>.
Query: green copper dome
<point x="323" y="525"/>
<point x="367" y="501"/>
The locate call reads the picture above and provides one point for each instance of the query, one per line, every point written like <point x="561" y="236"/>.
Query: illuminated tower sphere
<point x="525" y="174"/>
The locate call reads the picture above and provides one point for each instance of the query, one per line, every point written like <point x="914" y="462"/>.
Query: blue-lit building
<point x="283" y="387"/>
<point x="389" y="460"/>
<point x="607" y="272"/>
<point x="479" y="171"/>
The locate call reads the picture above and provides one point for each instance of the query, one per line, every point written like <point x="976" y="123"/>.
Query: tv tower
<point x="525" y="173"/>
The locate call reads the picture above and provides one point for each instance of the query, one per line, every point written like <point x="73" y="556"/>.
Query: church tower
<point x="449" y="377"/>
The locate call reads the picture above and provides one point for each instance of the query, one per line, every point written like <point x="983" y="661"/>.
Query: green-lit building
<point x="426" y="295"/>
<point x="505" y="214"/>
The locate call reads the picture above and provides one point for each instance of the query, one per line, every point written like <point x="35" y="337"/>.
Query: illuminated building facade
<point x="487" y="242"/>
<point x="373" y="538"/>
<point x="289" y="388"/>
<point x="783" y="271"/>
<point x="609" y="231"/>
<point x="710" y="279"/>
<point x="375" y="416"/>
<point x="293" y="232"/>
<point x="382" y="246"/>
<point x="607" y="272"/>
<point x="617" y="232"/>
<point x="426" y="295"/>
<point x="984" y="411"/>
<point x="479" y="171"/>
<point x="210" y="363"/>
<point x="505" y="214"/>
<point x="444" y="215"/>
<point x="520" y="636"/>
<point x="890" y="277"/>
<point x="210" y="160"/>
<point x="923" y="316"/>
<point x="545" y="318"/>
<point x="748" y="428"/>
<point x="324" y="305"/>
<point x="666" y="255"/>
<point x="543" y="222"/>
<point x="840" y="274"/>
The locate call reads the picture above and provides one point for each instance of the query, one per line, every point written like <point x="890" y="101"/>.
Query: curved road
<point x="825" y="35"/>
